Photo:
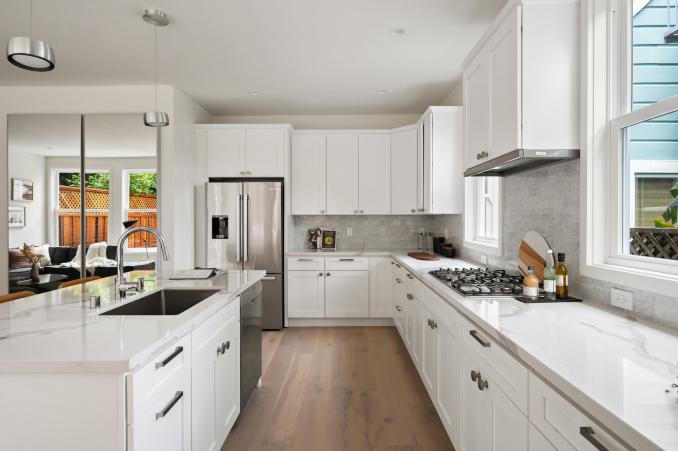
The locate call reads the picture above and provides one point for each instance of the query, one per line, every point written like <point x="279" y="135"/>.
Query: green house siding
<point x="655" y="77"/>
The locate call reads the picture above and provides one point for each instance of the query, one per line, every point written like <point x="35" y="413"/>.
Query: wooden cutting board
<point x="423" y="256"/>
<point x="532" y="252"/>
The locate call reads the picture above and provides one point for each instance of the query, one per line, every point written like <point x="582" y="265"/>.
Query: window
<point x="482" y="227"/>
<point x="97" y="207"/>
<point x="630" y="152"/>
<point x="141" y="205"/>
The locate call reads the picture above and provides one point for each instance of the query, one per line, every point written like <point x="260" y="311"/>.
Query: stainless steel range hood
<point x="520" y="160"/>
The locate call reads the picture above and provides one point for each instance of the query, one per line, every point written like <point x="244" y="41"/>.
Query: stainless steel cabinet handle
<point x="320" y="274"/>
<point x="413" y="211"/>
<point x="327" y="274"/>
<point x="347" y="259"/>
<point x="355" y="211"/>
<point x="588" y="433"/>
<point x="246" y="226"/>
<point x="169" y="406"/>
<point x="398" y="308"/>
<point x="478" y="156"/>
<point x="433" y="324"/>
<point x="482" y="384"/>
<point x="409" y="296"/>
<point x="399" y="281"/>
<point x="475" y="375"/>
<point x="409" y="276"/>
<point x="422" y="209"/>
<point x="169" y="358"/>
<point x="322" y="211"/>
<point x="397" y="265"/>
<point x="362" y="211"/>
<point x="223" y="348"/>
<point x="304" y="259"/>
<point x="479" y="339"/>
<point x="428" y="321"/>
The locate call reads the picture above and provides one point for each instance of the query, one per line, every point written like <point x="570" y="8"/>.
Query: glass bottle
<point x="550" y="277"/>
<point x="531" y="284"/>
<point x="561" y="277"/>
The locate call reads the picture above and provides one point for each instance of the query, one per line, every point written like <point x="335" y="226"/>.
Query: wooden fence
<point x="96" y="223"/>
<point x="652" y="242"/>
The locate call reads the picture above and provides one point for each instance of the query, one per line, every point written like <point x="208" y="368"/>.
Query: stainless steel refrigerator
<point x="245" y="231"/>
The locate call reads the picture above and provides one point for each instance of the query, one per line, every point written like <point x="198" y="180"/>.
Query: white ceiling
<point x="58" y="135"/>
<point x="304" y="56"/>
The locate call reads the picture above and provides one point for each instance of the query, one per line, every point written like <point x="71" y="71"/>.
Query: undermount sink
<point x="168" y="301"/>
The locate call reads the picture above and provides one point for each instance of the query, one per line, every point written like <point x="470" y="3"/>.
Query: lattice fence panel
<point x="658" y="243"/>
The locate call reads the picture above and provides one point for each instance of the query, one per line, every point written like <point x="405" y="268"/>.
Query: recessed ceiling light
<point x="254" y="93"/>
<point x="398" y="32"/>
<point x="381" y="92"/>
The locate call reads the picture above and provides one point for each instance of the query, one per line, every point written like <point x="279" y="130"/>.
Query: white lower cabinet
<point x="429" y="354"/>
<point x="216" y="384"/>
<point x="448" y="396"/>
<point x="306" y="294"/>
<point x="381" y="287"/>
<point x="490" y="421"/>
<point x="346" y="294"/>
<point x="166" y="426"/>
<point x="537" y="441"/>
<point x="562" y="424"/>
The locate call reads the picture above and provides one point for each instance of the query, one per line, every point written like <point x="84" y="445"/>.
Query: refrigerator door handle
<point x="238" y="243"/>
<point x="245" y="227"/>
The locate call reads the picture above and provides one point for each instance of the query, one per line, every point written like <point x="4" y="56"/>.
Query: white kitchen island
<point x="74" y="379"/>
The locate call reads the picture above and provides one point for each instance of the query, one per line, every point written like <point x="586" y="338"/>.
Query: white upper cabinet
<point x="521" y="87"/>
<point x="265" y="152"/>
<point x="443" y="160"/>
<point x="374" y="175"/>
<point x="342" y="174"/>
<point x="404" y="172"/>
<point x="225" y="152"/>
<point x="308" y="174"/>
<point x="243" y="150"/>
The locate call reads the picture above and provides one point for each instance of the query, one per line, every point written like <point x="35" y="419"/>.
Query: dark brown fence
<point x="658" y="243"/>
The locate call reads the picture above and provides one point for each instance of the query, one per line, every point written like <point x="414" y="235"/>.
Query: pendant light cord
<point x="155" y="29"/>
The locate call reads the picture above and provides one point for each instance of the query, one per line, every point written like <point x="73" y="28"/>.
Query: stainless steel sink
<point x="168" y="301"/>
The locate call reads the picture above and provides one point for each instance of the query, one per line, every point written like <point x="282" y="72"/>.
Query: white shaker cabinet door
<point x="342" y="174"/>
<point x="404" y="167"/>
<point x="381" y="287"/>
<point x="308" y="174"/>
<point x="505" y="85"/>
<point x="374" y="184"/>
<point x="477" y="109"/>
<point x="225" y="152"/>
<point x="264" y="152"/>
<point x="448" y="399"/>
<point x="346" y="294"/>
<point x="306" y="294"/>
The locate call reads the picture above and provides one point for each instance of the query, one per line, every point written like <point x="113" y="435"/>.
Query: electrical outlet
<point x="622" y="299"/>
<point x="349" y="231"/>
<point x="483" y="259"/>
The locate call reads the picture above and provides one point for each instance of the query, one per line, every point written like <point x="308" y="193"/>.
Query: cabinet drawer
<point x="305" y="263"/>
<point x="147" y="383"/>
<point x="347" y="264"/>
<point x="508" y="372"/>
<point x="564" y="425"/>
<point x="167" y="424"/>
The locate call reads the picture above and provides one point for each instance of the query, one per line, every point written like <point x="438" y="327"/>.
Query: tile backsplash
<point x="546" y="199"/>
<point x="368" y="231"/>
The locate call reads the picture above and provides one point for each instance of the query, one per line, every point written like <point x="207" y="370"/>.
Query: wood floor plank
<point x="338" y="389"/>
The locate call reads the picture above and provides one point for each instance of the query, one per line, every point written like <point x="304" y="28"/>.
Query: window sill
<point x="660" y="283"/>
<point x="486" y="248"/>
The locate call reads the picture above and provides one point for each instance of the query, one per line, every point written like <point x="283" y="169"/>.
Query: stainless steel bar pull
<point x="169" y="406"/>
<point x="245" y="229"/>
<point x="588" y="433"/>
<point x="170" y="357"/>
<point x="479" y="339"/>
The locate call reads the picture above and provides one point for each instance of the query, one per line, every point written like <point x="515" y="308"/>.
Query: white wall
<point x="117" y="99"/>
<point x="326" y="121"/>
<point x="456" y="97"/>
<point x="29" y="167"/>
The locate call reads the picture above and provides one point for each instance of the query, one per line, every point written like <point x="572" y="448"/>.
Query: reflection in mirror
<point x="121" y="185"/>
<point x="43" y="224"/>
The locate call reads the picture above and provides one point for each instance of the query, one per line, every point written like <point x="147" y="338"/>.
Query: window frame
<point x="473" y="199"/>
<point x="125" y="206"/>
<point x="606" y="111"/>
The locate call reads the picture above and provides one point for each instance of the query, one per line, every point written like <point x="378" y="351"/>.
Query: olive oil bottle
<point x="550" y="277"/>
<point x="561" y="277"/>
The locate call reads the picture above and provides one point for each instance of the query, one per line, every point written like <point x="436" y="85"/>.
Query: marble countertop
<point x="349" y="253"/>
<point x="617" y="369"/>
<point x="58" y="332"/>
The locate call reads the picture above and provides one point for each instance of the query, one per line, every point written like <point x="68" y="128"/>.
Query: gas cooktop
<point x="480" y="281"/>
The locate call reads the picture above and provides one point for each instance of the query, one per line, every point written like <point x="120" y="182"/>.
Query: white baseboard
<point x="339" y="322"/>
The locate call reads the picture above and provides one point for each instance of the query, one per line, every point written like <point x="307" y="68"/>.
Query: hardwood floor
<point x="338" y="389"/>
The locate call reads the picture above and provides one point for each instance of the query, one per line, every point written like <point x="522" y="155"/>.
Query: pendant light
<point x="28" y="53"/>
<point x="156" y="18"/>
